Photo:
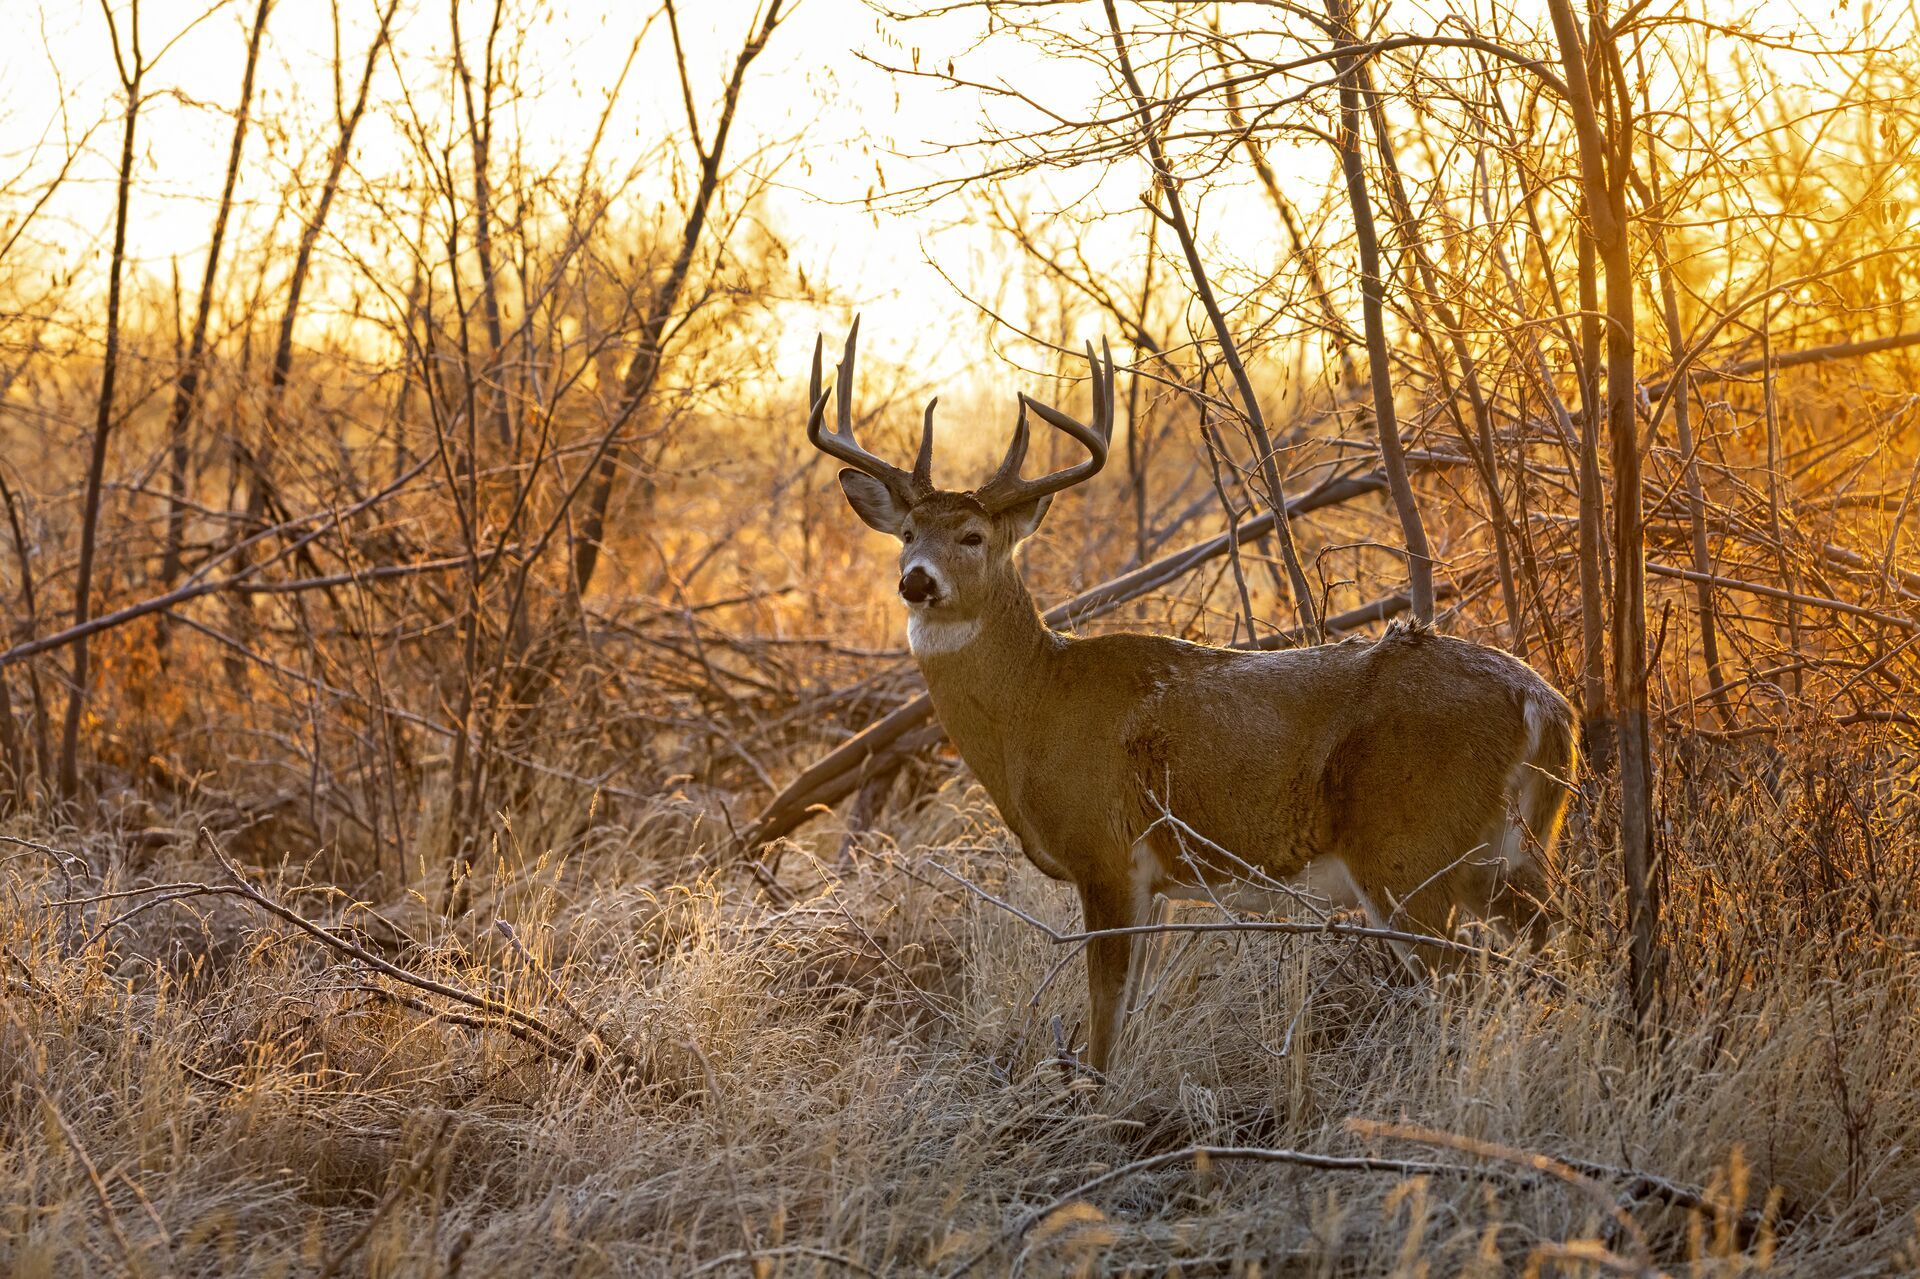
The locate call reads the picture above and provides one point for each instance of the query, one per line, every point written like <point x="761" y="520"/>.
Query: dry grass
<point x="611" y="1049"/>
<point x="856" y="1082"/>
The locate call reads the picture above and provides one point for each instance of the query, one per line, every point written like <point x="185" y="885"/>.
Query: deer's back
<point x="1400" y="747"/>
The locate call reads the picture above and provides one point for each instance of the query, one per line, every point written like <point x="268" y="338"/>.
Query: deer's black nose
<point x="918" y="586"/>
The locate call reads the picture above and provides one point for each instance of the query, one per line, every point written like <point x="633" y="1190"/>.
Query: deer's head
<point x="956" y="547"/>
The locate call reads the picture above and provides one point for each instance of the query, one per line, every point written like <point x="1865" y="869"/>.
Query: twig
<point x="558" y="1051"/>
<point x="1251" y="1154"/>
<point x="1792" y="597"/>
<point x="1793" y="359"/>
<point x="193" y="590"/>
<point x="589" y="1054"/>
<point x="1295" y="927"/>
<point x="1634" y="1183"/>
<point x="161" y="898"/>
<point x="1525" y="1158"/>
<point x="920" y="996"/>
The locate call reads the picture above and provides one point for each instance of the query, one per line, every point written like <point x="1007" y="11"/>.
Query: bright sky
<point x="812" y="80"/>
<point x="857" y="121"/>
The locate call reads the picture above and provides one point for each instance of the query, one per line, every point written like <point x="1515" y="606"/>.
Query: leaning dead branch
<point x="1584" y="1173"/>
<point x="883" y="745"/>
<point x="1580" y="1174"/>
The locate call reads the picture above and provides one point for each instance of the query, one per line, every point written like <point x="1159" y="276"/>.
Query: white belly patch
<point x="1321" y="886"/>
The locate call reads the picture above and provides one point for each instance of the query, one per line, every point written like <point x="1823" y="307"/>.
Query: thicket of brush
<point x="463" y="803"/>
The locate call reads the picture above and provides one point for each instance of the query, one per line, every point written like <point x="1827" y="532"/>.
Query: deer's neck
<point x="982" y="672"/>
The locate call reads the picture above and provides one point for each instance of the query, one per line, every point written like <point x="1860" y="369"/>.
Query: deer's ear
<point x="1025" y="519"/>
<point x="874" y="502"/>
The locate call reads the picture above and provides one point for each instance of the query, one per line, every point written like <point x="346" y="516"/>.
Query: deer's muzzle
<point x="919" y="587"/>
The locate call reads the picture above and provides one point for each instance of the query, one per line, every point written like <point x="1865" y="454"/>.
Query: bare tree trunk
<point x="1373" y="300"/>
<point x="480" y="132"/>
<point x="1605" y="159"/>
<point x="1594" y="713"/>
<point x="644" y="369"/>
<point x="186" y="390"/>
<point x="130" y="78"/>
<point x="1174" y="215"/>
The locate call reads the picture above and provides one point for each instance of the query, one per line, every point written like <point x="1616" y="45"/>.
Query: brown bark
<point x="186" y="389"/>
<point x="1605" y="156"/>
<point x="1592" y="492"/>
<point x="131" y="75"/>
<point x="644" y="369"/>
<point x="1373" y="307"/>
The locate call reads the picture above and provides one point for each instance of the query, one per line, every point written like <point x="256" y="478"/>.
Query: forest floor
<point x="610" y="1067"/>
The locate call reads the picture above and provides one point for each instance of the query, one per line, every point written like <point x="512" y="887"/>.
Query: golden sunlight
<point x="959" y="637"/>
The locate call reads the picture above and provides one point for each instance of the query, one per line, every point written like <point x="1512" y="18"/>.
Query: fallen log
<point x="827" y="787"/>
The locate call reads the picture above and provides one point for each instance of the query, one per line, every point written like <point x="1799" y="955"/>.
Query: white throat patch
<point x="927" y="636"/>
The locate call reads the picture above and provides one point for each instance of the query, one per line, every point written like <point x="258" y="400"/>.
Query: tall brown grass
<point x="862" y="1080"/>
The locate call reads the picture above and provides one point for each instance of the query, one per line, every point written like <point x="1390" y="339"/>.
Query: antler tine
<point x="923" y="461"/>
<point x="1006" y="489"/>
<point x="840" y="443"/>
<point x="1009" y="471"/>
<point x="816" y="394"/>
<point x="843" y="382"/>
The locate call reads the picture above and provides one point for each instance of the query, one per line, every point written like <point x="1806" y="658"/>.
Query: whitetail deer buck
<point x="1421" y="777"/>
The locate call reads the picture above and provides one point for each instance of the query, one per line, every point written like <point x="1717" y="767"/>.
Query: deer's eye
<point x="907" y="537"/>
<point x="971" y="539"/>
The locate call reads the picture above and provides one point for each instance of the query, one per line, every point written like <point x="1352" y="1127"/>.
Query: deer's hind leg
<point x="1121" y="902"/>
<point x="1484" y="896"/>
<point x="1512" y="886"/>
<point x="1383" y="911"/>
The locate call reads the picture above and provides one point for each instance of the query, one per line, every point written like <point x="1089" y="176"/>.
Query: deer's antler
<point x="1006" y="489"/>
<point x="840" y="443"/>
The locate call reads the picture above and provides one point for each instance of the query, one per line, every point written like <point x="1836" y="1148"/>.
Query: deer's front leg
<point x="1109" y="962"/>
